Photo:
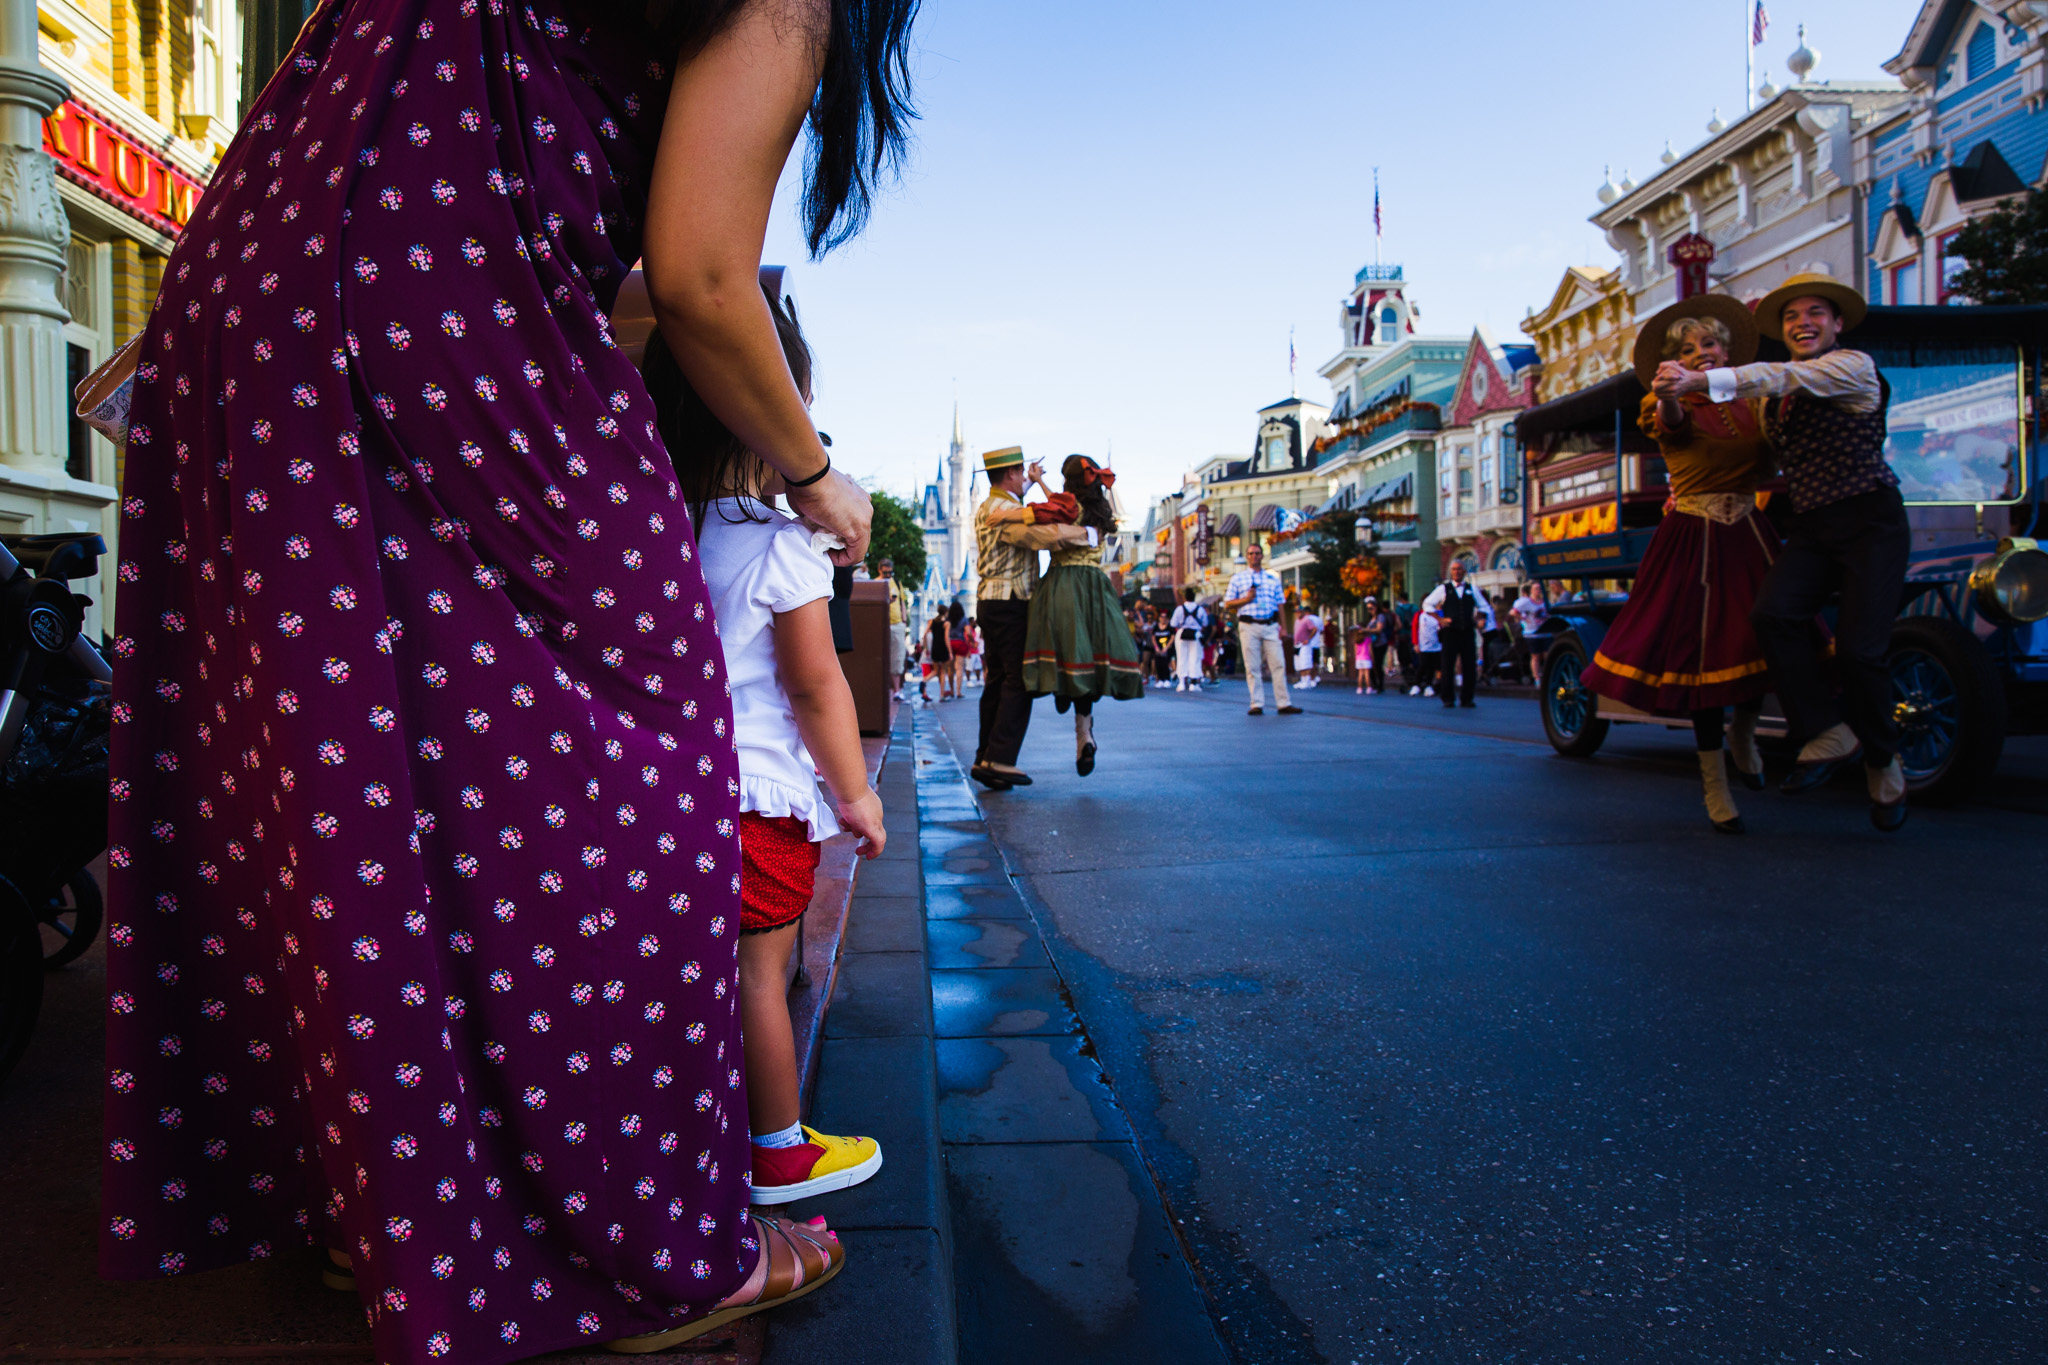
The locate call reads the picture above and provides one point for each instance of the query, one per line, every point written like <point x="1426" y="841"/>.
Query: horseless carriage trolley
<point x="1969" y="651"/>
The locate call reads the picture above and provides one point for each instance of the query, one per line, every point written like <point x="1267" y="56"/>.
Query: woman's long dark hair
<point x="956" y="615"/>
<point x="1094" y="499"/>
<point x="861" y="114"/>
<point x="709" y="460"/>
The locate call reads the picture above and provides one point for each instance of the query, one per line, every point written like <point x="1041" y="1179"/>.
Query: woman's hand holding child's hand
<point x="863" y="816"/>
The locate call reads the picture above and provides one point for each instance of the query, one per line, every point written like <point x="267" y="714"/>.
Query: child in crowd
<point x="1428" y="653"/>
<point x="793" y="720"/>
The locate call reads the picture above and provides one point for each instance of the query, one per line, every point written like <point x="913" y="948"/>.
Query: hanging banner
<point x="94" y="151"/>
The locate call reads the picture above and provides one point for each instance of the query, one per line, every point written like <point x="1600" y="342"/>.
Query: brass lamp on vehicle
<point x="2011" y="587"/>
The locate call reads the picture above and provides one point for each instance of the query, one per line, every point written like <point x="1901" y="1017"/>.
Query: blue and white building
<point x="1972" y="132"/>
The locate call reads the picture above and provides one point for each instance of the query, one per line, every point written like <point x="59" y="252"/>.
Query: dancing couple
<point x="1063" y="634"/>
<point x="1723" y="611"/>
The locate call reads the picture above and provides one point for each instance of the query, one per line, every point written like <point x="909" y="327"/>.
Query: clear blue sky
<point x="1116" y="208"/>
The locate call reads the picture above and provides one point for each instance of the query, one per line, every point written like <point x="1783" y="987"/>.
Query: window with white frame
<point x="1446" y="481"/>
<point x="216" y="61"/>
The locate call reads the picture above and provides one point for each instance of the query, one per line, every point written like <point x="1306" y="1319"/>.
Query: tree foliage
<point x="1333" y="541"/>
<point x="895" y="535"/>
<point x="2005" y="253"/>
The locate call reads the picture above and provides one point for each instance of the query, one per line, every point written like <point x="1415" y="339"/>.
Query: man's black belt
<point x="1255" y="620"/>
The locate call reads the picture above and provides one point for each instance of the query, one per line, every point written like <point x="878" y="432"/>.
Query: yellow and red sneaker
<point x="824" y="1163"/>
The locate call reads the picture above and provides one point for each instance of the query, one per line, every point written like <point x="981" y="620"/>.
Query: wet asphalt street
<point x="1443" y="1048"/>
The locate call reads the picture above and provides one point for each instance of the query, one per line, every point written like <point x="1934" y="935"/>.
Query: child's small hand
<point x="863" y="816"/>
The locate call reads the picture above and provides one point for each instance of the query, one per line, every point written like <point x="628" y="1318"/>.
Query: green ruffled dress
<point x="1076" y="643"/>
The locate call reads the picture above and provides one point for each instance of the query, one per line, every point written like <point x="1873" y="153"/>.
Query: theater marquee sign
<point x="94" y="151"/>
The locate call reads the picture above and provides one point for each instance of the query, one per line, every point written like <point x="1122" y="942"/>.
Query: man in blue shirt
<point x="1256" y="595"/>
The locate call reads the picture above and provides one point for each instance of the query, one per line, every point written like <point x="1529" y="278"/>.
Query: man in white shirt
<point x="1531" y="612"/>
<point x="1189" y="622"/>
<point x="1256" y="595"/>
<point x="1460" y="612"/>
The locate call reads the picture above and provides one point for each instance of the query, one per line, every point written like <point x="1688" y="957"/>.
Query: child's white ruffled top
<point x="754" y="569"/>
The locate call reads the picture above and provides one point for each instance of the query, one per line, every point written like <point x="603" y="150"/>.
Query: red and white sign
<point x="92" y="150"/>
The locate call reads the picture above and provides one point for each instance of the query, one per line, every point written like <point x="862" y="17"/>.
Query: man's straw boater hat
<point x="1733" y="313"/>
<point x="1770" y="310"/>
<point x="1009" y="457"/>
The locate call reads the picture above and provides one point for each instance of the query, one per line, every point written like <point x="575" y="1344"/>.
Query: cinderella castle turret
<point x="946" y="516"/>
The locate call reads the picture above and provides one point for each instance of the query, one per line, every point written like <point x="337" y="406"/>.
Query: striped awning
<point x="1267" y="518"/>
<point x="1390" y="491"/>
<point x="1232" y="525"/>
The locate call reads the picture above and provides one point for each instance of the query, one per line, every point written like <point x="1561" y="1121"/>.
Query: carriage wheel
<point x="1571" y="713"/>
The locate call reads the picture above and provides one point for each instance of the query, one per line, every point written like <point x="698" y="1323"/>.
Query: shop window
<point x="1906" y="283"/>
<point x="1464" y="489"/>
<point x="1486" y="480"/>
<point x="78" y="450"/>
<point x="1982" y="54"/>
<point x="216" y="69"/>
<point x="1951" y="266"/>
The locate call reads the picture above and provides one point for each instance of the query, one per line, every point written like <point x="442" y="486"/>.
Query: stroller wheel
<point x="71" y="920"/>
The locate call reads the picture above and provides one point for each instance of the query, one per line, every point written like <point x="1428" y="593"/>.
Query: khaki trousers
<point x="1260" y="641"/>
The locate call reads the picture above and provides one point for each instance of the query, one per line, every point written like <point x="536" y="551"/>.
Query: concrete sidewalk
<point x="1064" y="1251"/>
<point x="893" y="1304"/>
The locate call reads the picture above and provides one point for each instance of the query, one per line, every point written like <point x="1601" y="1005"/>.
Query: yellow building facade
<point x="1586" y="333"/>
<point x="136" y="100"/>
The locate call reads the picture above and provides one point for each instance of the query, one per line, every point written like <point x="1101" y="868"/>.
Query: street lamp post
<point x="34" y="234"/>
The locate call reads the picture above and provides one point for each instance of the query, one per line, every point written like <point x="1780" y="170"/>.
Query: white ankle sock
<point x="792" y="1136"/>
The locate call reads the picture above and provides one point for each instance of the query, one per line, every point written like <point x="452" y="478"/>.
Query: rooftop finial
<point x="1803" y="59"/>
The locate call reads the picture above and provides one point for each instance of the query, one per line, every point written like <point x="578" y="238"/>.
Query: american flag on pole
<point x="1760" y="25"/>
<point x="1376" y="201"/>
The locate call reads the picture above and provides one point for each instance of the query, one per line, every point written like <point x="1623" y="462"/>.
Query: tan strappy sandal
<point x="798" y="1258"/>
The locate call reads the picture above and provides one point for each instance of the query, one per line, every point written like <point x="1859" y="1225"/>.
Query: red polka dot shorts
<point x="778" y="871"/>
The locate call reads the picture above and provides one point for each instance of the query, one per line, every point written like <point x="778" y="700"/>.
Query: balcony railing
<point x="1421" y="417"/>
<point x="1377" y="274"/>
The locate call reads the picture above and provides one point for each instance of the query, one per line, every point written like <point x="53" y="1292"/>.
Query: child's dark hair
<point x="709" y="460"/>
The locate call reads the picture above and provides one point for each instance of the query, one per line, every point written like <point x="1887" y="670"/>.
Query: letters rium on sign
<point x="93" y="151"/>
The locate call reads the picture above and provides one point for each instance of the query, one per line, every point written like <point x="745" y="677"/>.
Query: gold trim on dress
<point x="1726" y="508"/>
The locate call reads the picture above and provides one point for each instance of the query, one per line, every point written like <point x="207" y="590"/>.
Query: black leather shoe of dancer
<point x="1888" y="817"/>
<point x="989" y="777"/>
<point x="1804" y="777"/>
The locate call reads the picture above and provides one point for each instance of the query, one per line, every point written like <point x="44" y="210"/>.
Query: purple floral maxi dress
<point x="424" y="880"/>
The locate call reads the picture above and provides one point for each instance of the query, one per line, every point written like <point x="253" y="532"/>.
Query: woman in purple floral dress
<point x="425" y="886"/>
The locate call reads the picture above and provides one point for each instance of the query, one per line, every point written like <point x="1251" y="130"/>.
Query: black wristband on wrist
<point x="788" y="482"/>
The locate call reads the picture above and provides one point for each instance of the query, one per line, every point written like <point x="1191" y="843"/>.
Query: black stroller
<point x="55" y="705"/>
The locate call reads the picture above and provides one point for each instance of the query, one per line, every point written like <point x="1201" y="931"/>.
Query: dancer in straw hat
<point x="1008" y="536"/>
<point x="1827" y="424"/>
<point x="1682" y="644"/>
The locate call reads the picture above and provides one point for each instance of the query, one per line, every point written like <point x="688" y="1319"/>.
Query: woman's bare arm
<point x="734" y="112"/>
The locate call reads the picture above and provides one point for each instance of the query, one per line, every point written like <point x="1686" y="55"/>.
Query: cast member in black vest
<point x="1849" y="535"/>
<point x="1460" y="610"/>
